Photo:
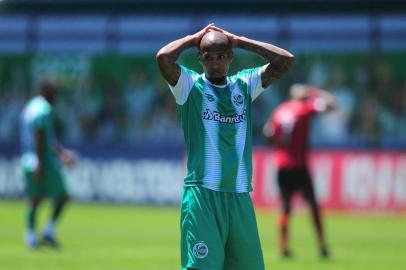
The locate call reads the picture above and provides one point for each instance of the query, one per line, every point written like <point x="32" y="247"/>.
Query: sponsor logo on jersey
<point x="200" y="250"/>
<point x="209" y="97"/>
<point x="228" y="119"/>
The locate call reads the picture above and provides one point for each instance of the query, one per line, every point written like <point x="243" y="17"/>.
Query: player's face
<point x="216" y="63"/>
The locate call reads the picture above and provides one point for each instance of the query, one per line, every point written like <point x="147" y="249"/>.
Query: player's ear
<point x="199" y="55"/>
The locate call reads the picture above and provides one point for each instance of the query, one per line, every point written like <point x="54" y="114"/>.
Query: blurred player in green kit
<point x="218" y="223"/>
<point x="41" y="157"/>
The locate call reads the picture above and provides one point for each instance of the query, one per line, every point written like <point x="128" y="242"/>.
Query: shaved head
<point x="214" y="41"/>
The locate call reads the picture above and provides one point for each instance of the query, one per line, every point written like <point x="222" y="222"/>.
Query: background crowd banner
<point x="362" y="181"/>
<point x="367" y="181"/>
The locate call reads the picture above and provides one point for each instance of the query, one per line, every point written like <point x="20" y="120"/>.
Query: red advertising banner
<point x="366" y="181"/>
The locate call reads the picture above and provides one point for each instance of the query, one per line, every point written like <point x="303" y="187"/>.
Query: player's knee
<point x="287" y="208"/>
<point x="34" y="202"/>
<point x="62" y="200"/>
<point x="312" y="204"/>
<point x="310" y="199"/>
<point x="66" y="199"/>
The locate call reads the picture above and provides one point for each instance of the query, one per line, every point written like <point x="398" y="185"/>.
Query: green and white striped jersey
<point x="216" y="122"/>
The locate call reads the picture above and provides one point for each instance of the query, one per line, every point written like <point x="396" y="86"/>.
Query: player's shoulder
<point x="38" y="106"/>
<point x="289" y="107"/>
<point x="43" y="105"/>
<point x="244" y="77"/>
<point x="310" y="107"/>
<point x="246" y="73"/>
<point x="190" y="71"/>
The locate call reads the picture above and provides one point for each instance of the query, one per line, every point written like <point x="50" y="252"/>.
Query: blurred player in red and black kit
<point x="287" y="129"/>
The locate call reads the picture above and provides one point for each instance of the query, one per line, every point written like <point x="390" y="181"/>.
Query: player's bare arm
<point x="268" y="133"/>
<point x="328" y="99"/>
<point x="279" y="60"/>
<point x="169" y="54"/>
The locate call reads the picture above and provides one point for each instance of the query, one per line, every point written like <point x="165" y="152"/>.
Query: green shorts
<point x="51" y="184"/>
<point x="219" y="231"/>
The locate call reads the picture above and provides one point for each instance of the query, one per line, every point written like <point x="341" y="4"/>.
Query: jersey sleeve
<point x="40" y="120"/>
<point x="184" y="85"/>
<point x="252" y="77"/>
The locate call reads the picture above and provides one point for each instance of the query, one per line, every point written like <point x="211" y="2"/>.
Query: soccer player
<point x="218" y="224"/>
<point x="41" y="156"/>
<point x="287" y="129"/>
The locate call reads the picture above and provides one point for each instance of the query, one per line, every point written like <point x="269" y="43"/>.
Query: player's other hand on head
<point x="233" y="38"/>
<point x="68" y="158"/>
<point x="199" y="35"/>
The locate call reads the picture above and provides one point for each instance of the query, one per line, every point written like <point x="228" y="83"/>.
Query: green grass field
<point x="101" y="237"/>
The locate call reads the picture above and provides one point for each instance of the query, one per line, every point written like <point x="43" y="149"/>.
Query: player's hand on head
<point x="233" y="38"/>
<point x="199" y="35"/>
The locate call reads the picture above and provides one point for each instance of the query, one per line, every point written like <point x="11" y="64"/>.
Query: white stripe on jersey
<point x="241" y="134"/>
<point x="212" y="157"/>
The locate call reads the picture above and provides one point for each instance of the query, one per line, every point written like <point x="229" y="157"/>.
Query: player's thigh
<point x="202" y="243"/>
<point x="243" y="248"/>
<point x="33" y="187"/>
<point x="306" y="187"/>
<point x="54" y="183"/>
<point x="287" y="186"/>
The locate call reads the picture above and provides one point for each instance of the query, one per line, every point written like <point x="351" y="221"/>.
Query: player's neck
<point x="218" y="81"/>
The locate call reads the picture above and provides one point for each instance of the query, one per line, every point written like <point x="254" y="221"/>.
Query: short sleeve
<point x="184" y="85"/>
<point x="39" y="122"/>
<point x="253" y="79"/>
<point x="38" y="117"/>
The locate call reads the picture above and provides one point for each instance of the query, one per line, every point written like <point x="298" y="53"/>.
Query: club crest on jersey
<point x="238" y="100"/>
<point x="200" y="250"/>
